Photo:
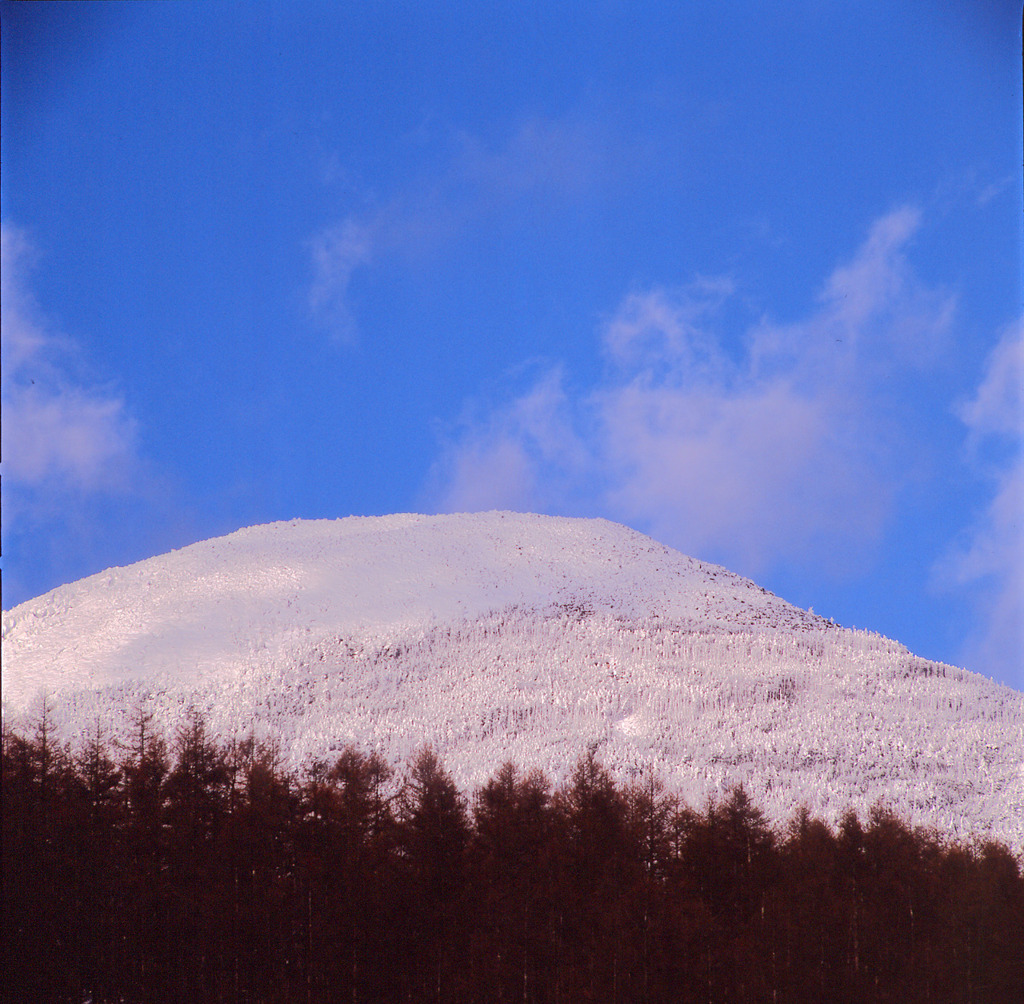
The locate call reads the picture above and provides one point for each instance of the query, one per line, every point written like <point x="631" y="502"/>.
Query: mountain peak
<point x="506" y="636"/>
<point x="199" y="605"/>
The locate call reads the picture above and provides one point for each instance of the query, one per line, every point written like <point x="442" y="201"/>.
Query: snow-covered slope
<point x="503" y="636"/>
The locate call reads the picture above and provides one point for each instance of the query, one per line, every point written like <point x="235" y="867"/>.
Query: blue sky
<point x="745" y="279"/>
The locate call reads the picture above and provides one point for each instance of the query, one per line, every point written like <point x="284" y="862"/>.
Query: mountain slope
<point x="504" y="636"/>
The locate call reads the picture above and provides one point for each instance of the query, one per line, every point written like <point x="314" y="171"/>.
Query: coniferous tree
<point x="854" y="885"/>
<point x="98" y="853"/>
<point x="512" y="879"/>
<point x="660" y="937"/>
<point x="147" y="952"/>
<point x="218" y="877"/>
<point x="812" y="935"/>
<point x="728" y="858"/>
<point x="365" y="838"/>
<point x="597" y="871"/>
<point x="196" y="800"/>
<point x="24" y="880"/>
<point x="433" y="841"/>
<point x="994" y="926"/>
<point x="39" y="871"/>
<point x="266" y="869"/>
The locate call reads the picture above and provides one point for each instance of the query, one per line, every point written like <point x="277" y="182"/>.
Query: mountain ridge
<point x="503" y="636"/>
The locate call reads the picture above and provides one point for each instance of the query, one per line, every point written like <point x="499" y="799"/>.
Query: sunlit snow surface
<point x="502" y="636"/>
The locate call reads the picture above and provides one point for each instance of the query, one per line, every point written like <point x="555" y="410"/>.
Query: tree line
<point x="186" y="868"/>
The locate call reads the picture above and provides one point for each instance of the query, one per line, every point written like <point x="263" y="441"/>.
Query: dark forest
<point x="190" y="869"/>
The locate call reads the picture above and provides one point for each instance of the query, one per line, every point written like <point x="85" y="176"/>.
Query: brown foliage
<point x="203" y="872"/>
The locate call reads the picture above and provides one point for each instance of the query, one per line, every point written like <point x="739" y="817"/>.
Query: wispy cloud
<point x="59" y="432"/>
<point x="660" y="328"/>
<point x="552" y="158"/>
<point x="537" y="165"/>
<point x="524" y="455"/>
<point x="990" y="558"/>
<point x="875" y="321"/>
<point x="337" y="252"/>
<point x="777" y="452"/>
<point x="997" y="409"/>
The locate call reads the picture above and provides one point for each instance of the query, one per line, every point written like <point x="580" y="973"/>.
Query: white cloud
<point x="539" y="165"/>
<point x="876" y="277"/>
<point x="777" y="452"/>
<point x="998" y="406"/>
<point x="991" y="560"/>
<point x="490" y="472"/>
<point x="541" y="157"/>
<point x="337" y="252"/>
<point x="749" y="476"/>
<point x="58" y="433"/>
<point x="656" y="328"/>
<point x="525" y="456"/>
<point x="875" y="319"/>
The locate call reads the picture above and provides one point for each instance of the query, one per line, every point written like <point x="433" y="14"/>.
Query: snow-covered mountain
<point x="501" y="636"/>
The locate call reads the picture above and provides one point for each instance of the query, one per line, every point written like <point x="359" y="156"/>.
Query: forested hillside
<point x="182" y="868"/>
<point x="509" y="636"/>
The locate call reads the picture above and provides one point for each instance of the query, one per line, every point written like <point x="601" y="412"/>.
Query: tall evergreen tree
<point x="433" y="841"/>
<point x="512" y="880"/>
<point x="598" y="870"/>
<point x="147" y="950"/>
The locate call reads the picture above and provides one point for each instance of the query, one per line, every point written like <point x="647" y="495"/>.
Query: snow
<point x="503" y="636"/>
